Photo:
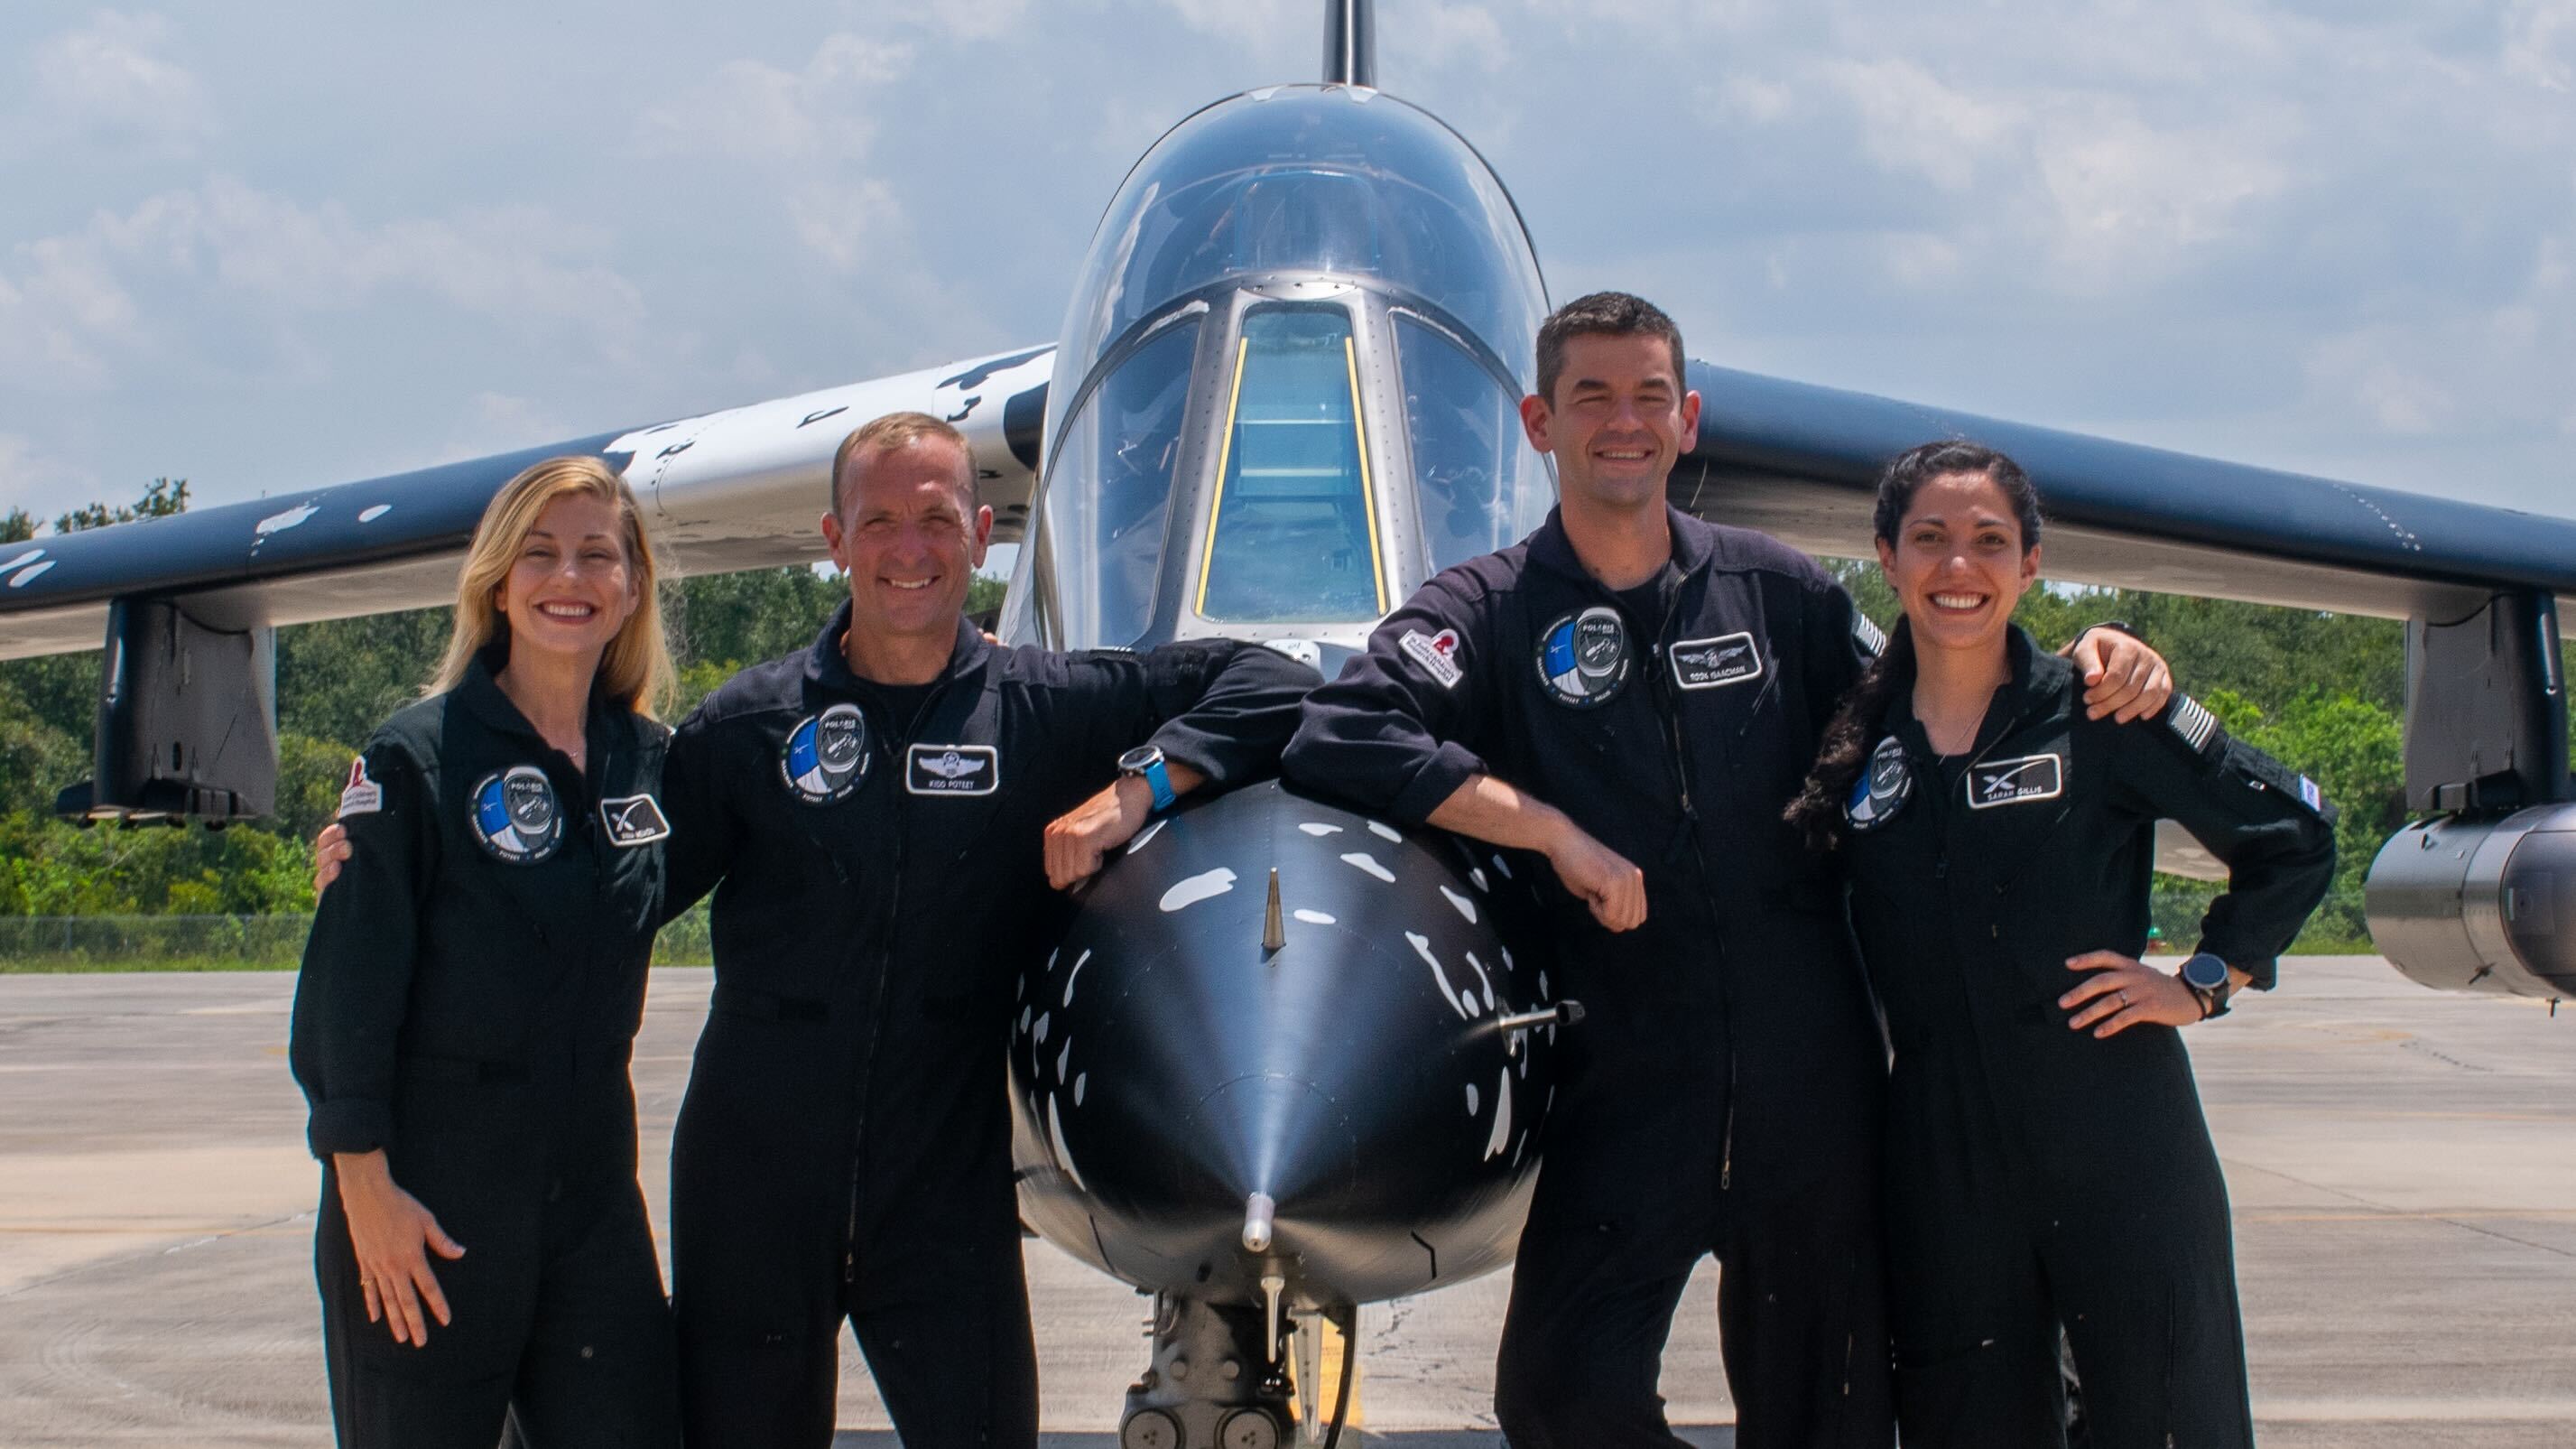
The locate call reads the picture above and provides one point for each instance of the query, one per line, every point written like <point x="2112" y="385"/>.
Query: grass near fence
<point x="221" y="943"/>
<point x="276" y="943"/>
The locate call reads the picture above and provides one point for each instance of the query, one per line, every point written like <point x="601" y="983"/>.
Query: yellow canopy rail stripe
<point x="1224" y="457"/>
<point x="1368" y="496"/>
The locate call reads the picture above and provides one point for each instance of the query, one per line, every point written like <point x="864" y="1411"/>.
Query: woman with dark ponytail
<point x="2047" y="1161"/>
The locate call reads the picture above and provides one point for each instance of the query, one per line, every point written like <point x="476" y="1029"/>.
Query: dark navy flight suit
<point x="468" y="1003"/>
<point x="1723" y="1093"/>
<point x="844" y="1147"/>
<point x="2035" y="1174"/>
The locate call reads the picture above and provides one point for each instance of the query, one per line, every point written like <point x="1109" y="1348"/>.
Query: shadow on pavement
<point x="1703" y="1435"/>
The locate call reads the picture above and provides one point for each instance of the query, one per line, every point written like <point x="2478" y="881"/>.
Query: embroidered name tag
<point x="1711" y="663"/>
<point x="633" y="820"/>
<point x="952" y="770"/>
<point x="2016" y="782"/>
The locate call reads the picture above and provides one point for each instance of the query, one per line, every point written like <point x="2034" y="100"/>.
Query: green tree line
<point x="335" y="682"/>
<point x="2323" y="692"/>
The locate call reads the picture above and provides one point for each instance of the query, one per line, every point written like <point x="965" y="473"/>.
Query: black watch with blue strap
<point x="1146" y="763"/>
<point x="2206" y="974"/>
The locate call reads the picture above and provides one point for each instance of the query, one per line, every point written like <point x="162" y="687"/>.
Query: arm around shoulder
<point x="351" y="995"/>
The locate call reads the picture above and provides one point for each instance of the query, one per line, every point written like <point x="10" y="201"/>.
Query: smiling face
<point x="572" y="586"/>
<point x="906" y="539"/>
<point x="1957" y="562"/>
<point x="1617" y="422"/>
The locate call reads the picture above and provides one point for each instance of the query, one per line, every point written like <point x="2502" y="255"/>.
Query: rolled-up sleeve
<point x="355" y="986"/>
<point x="1397" y="731"/>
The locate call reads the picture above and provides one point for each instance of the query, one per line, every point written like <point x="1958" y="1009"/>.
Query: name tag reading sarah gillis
<point x="2016" y="782"/>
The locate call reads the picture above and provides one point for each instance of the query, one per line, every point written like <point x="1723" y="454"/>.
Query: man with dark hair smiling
<point x="1633" y="696"/>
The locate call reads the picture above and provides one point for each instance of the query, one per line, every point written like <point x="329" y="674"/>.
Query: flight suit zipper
<point x="899" y="751"/>
<point x="1670" y="708"/>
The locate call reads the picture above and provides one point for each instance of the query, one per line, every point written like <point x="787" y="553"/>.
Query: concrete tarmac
<point x="2403" y="1166"/>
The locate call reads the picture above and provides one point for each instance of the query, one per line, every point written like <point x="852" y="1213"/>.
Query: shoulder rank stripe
<point x="1873" y="640"/>
<point x="2192" y="722"/>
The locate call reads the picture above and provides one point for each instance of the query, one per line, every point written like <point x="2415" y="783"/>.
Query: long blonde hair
<point x="636" y="667"/>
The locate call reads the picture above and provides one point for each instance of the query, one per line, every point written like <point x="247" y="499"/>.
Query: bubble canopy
<point x="1286" y="390"/>
<point x="1346" y="182"/>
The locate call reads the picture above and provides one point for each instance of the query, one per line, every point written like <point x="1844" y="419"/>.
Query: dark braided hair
<point x="1817" y="812"/>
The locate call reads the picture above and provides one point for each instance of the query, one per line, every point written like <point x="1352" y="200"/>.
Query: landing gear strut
<point x="1213" y="1383"/>
<point x="1220" y="1379"/>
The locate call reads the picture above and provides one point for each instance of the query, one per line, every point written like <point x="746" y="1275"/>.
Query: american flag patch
<point x="1873" y="640"/>
<point x="2311" y="796"/>
<point x="2192" y="721"/>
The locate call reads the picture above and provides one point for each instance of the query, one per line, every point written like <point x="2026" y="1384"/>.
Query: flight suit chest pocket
<point x="524" y="843"/>
<point x="953" y="791"/>
<point x="1728" y="684"/>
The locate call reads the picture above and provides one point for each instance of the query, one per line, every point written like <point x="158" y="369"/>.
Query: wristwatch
<point x="2207" y="977"/>
<point x="1145" y="762"/>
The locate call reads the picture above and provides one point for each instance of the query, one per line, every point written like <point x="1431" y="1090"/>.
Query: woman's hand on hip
<point x="2123" y="992"/>
<point x="388" y="1229"/>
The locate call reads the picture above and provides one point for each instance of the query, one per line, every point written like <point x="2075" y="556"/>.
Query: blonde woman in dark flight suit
<point x="469" y="1000"/>
<point x="2047" y="1160"/>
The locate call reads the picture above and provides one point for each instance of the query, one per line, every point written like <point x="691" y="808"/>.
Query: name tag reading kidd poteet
<point x="952" y="770"/>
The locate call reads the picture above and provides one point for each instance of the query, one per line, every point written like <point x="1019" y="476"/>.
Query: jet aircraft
<point x="1289" y="1059"/>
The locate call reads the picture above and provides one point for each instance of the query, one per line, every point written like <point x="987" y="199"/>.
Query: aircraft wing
<point x="735" y="489"/>
<point x="1801" y="462"/>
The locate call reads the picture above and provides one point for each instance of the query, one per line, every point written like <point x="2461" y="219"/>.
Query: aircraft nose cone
<point x="1271" y="1135"/>
<point x="1334" y="1055"/>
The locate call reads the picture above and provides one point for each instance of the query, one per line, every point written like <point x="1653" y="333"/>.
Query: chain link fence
<point x="223" y="943"/>
<point x="276" y="943"/>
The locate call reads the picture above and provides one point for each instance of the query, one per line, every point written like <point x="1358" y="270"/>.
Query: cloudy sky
<point x="266" y="247"/>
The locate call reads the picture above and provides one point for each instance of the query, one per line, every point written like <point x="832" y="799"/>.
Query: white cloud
<point x="1911" y="121"/>
<point x="2503" y="368"/>
<point x="2539" y="41"/>
<point x="963" y="19"/>
<point x="72" y="304"/>
<point x="1745" y="97"/>
<point x="109" y="84"/>
<point x="749" y="110"/>
<point x="1461" y="33"/>
<point x="839" y="223"/>
<point x="2128" y="195"/>
<point x="1250" y="20"/>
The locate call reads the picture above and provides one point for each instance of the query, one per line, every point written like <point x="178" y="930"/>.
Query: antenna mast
<point x="1350" y="43"/>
